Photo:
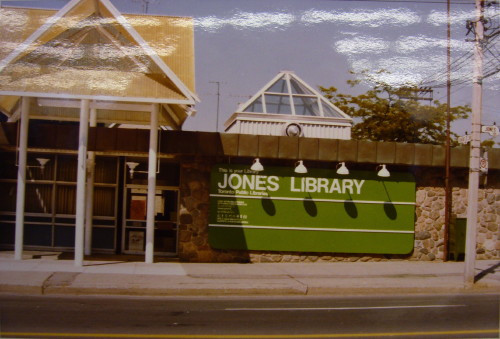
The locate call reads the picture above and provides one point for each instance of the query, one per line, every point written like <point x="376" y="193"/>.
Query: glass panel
<point x="256" y="106"/>
<point x="38" y="235"/>
<point x="137" y="205"/>
<point x="8" y="194"/>
<point x="70" y="221"/>
<point x="166" y="206"/>
<point x="136" y="223"/>
<point x="135" y="240"/>
<point x="104" y="201"/>
<point x="328" y="111"/>
<point x="66" y="200"/>
<point x="103" y="238"/>
<point x="8" y="170"/>
<point x="64" y="236"/>
<point x="298" y="88"/>
<point x="306" y="106"/>
<point x="7" y="217"/>
<point x="105" y="170"/>
<point x="66" y="168"/>
<point x="38" y="198"/>
<point x="278" y="104"/>
<point x="29" y="218"/>
<point x="103" y="222"/>
<point x="7" y="233"/>
<point x="279" y="86"/>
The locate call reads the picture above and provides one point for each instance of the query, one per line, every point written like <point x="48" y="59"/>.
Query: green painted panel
<point x="320" y="211"/>
<point x="310" y="241"/>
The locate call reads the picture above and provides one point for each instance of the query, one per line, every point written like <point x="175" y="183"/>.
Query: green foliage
<point x="384" y="114"/>
<point x="489" y="143"/>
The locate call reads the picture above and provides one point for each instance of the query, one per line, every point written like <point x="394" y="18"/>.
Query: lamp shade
<point x="42" y="161"/>
<point x="342" y="169"/>
<point x="383" y="172"/>
<point x="257" y="166"/>
<point x="300" y="168"/>
<point x="132" y="165"/>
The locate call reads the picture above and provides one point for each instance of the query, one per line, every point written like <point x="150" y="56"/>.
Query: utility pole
<point x="447" y="185"/>
<point x="475" y="147"/>
<point x="218" y="100"/>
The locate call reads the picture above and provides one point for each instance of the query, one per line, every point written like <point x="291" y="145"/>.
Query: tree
<point x="382" y="114"/>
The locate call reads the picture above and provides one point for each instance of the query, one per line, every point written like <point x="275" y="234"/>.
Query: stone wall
<point x="193" y="216"/>
<point x="429" y="231"/>
<point x="429" y="221"/>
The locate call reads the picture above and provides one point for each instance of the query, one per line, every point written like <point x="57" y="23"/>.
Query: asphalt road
<point x="445" y="316"/>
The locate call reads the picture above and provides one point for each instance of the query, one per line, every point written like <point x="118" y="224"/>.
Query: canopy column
<point x="150" y="214"/>
<point x="21" y="178"/>
<point x="89" y="204"/>
<point x="80" y="182"/>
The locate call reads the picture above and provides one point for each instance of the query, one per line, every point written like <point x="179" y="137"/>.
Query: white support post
<point x="80" y="182"/>
<point x="89" y="204"/>
<point x="475" y="150"/>
<point x="21" y="178"/>
<point x="150" y="217"/>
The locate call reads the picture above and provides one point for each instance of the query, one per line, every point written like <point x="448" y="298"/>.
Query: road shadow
<point x="485" y="272"/>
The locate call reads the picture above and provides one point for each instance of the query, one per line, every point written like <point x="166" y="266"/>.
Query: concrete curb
<point x="61" y="277"/>
<point x="76" y="283"/>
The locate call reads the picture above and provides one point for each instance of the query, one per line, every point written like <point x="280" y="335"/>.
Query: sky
<point x="240" y="45"/>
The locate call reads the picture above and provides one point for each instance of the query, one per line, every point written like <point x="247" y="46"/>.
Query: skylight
<point x="288" y="94"/>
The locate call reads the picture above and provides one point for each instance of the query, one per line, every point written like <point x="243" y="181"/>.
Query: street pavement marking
<point x="340" y="308"/>
<point x="244" y="336"/>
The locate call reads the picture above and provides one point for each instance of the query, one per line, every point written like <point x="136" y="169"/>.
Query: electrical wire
<point x="455" y="2"/>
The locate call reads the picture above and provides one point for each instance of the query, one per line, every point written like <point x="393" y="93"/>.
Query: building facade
<point x="70" y="180"/>
<point x="184" y="197"/>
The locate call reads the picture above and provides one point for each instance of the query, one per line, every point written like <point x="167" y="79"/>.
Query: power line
<point x="456" y="2"/>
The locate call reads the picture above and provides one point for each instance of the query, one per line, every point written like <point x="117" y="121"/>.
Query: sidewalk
<point x="49" y="275"/>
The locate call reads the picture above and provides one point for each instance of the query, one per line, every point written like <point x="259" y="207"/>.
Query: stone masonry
<point x="429" y="224"/>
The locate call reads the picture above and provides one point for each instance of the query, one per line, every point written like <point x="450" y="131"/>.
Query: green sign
<point x="320" y="211"/>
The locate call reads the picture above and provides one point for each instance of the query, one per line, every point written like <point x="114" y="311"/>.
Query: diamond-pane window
<point x="279" y="104"/>
<point x="306" y="106"/>
<point x="329" y="111"/>
<point x="256" y="106"/>
<point x="298" y="88"/>
<point x="279" y="86"/>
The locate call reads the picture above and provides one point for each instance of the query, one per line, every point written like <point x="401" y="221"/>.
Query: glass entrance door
<point x="134" y="220"/>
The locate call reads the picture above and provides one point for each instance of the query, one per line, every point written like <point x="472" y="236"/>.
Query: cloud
<point x="247" y="20"/>
<point x="362" y="45"/>
<point x="278" y="20"/>
<point x="363" y="18"/>
<point x="412" y="44"/>
<point x="405" y="70"/>
<point x="439" y="18"/>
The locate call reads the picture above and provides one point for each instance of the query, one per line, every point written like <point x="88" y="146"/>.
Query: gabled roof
<point x="90" y="50"/>
<point x="288" y="94"/>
